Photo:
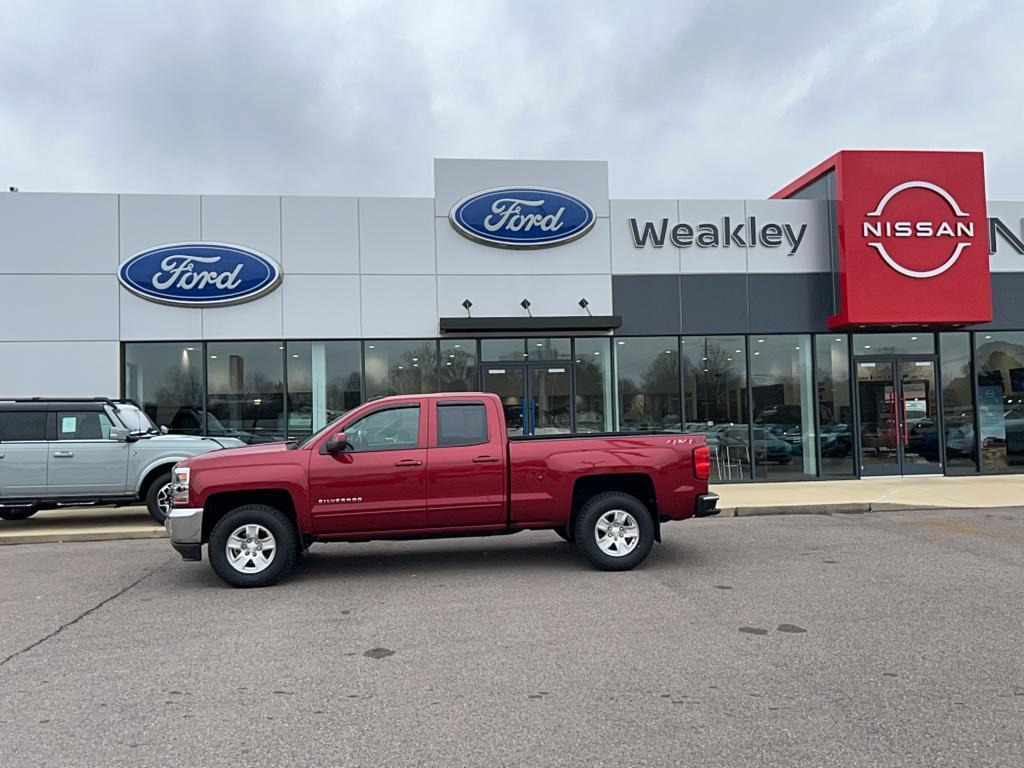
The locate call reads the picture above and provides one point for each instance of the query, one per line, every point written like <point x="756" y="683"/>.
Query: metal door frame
<point x="901" y="469"/>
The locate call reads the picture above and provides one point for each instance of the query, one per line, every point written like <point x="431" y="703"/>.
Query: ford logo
<point x="522" y="217"/>
<point x="200" y="274"/>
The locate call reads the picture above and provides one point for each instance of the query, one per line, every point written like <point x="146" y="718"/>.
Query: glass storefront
<point x="999" y="362"/>
<point x="716" y="401"/>
<point x="774" y="406"/>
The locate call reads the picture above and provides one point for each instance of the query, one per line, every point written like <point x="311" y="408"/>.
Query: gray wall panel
<point x="649" y="304"/>
<point x="794" y="303"/>
<point x="1007" y="302"/>
<point x="715" y="304"/>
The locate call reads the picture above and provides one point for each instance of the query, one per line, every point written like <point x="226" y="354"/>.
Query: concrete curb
<point x="84" y="535"/>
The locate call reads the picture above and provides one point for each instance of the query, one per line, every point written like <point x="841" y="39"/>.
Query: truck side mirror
<point x="120" y="434"/>
<point x="164" y="430"/>
<point x="336" y="444"/>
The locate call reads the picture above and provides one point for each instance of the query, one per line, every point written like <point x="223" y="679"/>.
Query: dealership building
<point x="866" y="320"/>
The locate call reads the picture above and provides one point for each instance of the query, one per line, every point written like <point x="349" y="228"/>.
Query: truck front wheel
<point x="614" y="531"/>
<point x="253" y="546"/>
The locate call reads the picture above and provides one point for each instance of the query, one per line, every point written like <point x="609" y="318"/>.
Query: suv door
<point x="380" y="482"/>
<point x="83" y="460"/>
<point x="23" y="450"/>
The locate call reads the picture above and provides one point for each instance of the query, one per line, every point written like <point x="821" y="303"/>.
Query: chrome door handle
<point x="408" y="463"/>
<point x="63" y="454"/>
<point x="485" y="460"/>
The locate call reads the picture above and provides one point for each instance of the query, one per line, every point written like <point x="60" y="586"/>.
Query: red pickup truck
<point x="432" y="466"/>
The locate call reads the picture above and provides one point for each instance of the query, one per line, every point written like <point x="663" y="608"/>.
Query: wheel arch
<point x="636" y="484"/>
<point x="153" y="470"/>
<point x="219" y="504"/>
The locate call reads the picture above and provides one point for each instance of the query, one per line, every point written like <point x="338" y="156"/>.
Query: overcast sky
<point x="684" y="98"/>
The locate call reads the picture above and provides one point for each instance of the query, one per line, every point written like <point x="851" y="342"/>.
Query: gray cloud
<point x="685" y="98"/>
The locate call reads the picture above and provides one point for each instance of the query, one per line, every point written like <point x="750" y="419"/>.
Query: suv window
<point x="83" y="425"/>
<point x="461" y="424"/>
<point x="22" y="425"/>
<point x="386" y="430"/>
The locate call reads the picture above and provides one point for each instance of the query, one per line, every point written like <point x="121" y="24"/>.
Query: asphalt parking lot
<point x="883" y="639"/>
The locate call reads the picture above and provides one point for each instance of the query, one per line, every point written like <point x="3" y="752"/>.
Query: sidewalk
<point x="870" y="495"/>
<point x="822" y="497"/>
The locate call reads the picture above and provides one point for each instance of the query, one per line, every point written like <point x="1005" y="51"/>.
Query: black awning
<point x="530" y="324"/>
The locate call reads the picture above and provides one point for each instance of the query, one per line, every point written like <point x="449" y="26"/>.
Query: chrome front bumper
<point x="185" y="527"/>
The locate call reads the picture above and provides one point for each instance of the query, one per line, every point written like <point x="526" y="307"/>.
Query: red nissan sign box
<point x="912" y="236"/>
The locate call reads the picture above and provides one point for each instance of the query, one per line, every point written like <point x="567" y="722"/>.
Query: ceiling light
<point x="757" y="353"/>
<point x="760" y="341"/>
<point x="190" y="349"/>
<point x="622" y="343"/>
<point x="371" y="346"/>
<point x="988" y="337"/>
<point x="213" y="357"/>
<point x="294" y="355"/>
<point x="867" y="346"/>
<point x="457" y="346"/>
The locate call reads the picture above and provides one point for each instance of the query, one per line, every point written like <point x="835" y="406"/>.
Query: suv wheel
<point x="253" y="546"/>
<point x="18" y="513"/>
<point x="614" y="531"/>
<point x="158" y="498"/>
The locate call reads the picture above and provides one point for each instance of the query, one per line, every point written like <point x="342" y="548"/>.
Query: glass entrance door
<point x="898" y="416"/>
<point x="537" y="398"/>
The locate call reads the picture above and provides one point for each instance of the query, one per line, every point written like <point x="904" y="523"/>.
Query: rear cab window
<point x="461" y="423"/>
<point x="22" y="426"/>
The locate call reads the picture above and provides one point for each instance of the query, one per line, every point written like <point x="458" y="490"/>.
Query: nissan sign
<point x="522" y="217"/>
<point x="200" y="274"/>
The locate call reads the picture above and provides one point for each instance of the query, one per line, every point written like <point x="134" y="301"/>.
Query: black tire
<point x="18" y="513"/>
<point x="586" y="525"/>
<point x="563" y="533"/>
<point x="153" y="497"/>
<point x="274" y="521"/>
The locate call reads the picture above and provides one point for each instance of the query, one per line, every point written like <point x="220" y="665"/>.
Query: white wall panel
<point x="697" y="259"/>
<point x="59" y="308"/>
<point x="500" y="297"/>
<point x="321" y="306"/>
<point x="320" y="235"/>
<point x="791" y="215"/>
<point x="396" y="236"/>
<point x="457" y="255"/>
<point x="1006" y="258"/>
<point x="455" y="179"/>
<point x="394" y="306"/>
<point x="252" y="221"/>
<point x="59" y="369"/>
<point x="259" y="319"/>
<point x="57" y="234"/>
<point x="147" y="221"/>
<point x="143" y="320"/>
<point x="626" y="257"/>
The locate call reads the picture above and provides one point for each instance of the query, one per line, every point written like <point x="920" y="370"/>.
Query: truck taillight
<point x="179" y="486"/>
<point x="702" y="463"/>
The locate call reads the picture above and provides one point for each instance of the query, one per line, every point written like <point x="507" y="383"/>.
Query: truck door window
<point x="461" y="424"/>
<point x="385" y="430"/>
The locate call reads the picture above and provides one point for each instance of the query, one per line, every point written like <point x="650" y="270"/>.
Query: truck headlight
<point x="179" y="486"/>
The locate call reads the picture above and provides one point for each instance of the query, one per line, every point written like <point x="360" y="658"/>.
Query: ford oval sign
<point x="200" y="274"/>
<point x="522" y="217"/>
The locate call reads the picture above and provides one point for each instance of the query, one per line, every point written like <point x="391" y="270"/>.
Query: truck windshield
<point x="136" y="420"/>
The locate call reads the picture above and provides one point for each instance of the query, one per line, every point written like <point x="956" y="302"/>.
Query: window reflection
<point x="958" y="403"/>
<point x="166" y="380"/>
<point x="715" y="388"/>
<point x="780" y="380"/>
<point x="593" y="385"/>
<point x="458" y="365"/>
<point x="835" y="412"/>
<point x="324" y="382"/>
<point x="648" y="383"/>
<point x="401" y="367"/>
<point x="1000" y="385"/>
<point x="246" y="390"/>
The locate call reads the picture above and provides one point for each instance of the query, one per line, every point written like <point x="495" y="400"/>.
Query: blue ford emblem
<point x="200" y="274"/>
<point x="522" y="217"/>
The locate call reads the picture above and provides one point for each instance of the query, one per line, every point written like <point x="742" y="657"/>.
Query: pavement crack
<point x="82" y="615"/>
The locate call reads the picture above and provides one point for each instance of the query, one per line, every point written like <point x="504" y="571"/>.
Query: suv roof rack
<point x="108" y="400"/>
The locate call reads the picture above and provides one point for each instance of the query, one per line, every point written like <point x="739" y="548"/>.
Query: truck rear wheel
<point x="614" y="531"/>
<point x="253" y="546"/>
